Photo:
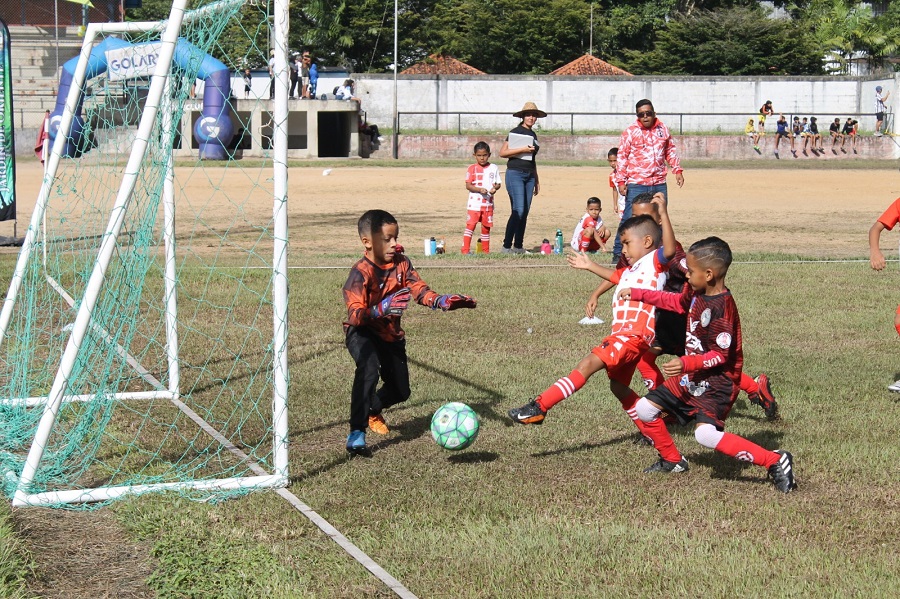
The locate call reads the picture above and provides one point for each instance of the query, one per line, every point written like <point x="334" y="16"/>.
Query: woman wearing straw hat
<point x="522" y="183"/>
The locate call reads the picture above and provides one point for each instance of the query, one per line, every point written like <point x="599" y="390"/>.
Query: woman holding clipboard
<point x="522" y="184"/>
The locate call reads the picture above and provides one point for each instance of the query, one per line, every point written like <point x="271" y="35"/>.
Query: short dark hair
<point x="644" y="102"/>
<point x="643" y="225"/>
<point x="482" y="145"/>
<point x="643" y="198"/>
<point x="372" y="221"/>
<point x="612" y="152"/>
<point x="594" y="200"/>
<point x="712" y="253"/>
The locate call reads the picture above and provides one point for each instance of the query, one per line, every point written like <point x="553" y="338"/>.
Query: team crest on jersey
<point x="695" y="389"/>
<point x="705" y="317"/>
<point x="723" y="340"/>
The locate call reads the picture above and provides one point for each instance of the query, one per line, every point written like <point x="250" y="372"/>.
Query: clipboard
<point x="519" y="140"/>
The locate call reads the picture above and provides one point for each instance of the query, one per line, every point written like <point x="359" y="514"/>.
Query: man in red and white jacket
<point x="645" y="149"/>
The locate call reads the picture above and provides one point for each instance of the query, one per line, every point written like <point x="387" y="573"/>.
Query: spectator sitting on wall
<point x="345" y="92"/>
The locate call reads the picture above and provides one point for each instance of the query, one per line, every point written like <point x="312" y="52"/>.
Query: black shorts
<point x="879" y="116"/>
<point x="712" y="407"/>
<point x="671" y="330"/>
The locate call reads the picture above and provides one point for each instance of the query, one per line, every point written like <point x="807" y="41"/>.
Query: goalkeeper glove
<point x="398" y="253"/>
<point x="392" y="305"/>
<point x="453" y="302"/>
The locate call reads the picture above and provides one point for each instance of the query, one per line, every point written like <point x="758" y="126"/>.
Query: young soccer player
<point x="703" y="384"/>
<point x="670" y="326"/>
<point x="647" y="247"/>
<point x="618" y="199"/>
<point x="377" y="291"/>
<point x="482" y="181"/>
<point x="887" y="221"/>
<point x="590" y="233"/>
<point x="816" y="136"/>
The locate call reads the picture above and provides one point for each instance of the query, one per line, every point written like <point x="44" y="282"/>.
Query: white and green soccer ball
<point x="454" y="426"/>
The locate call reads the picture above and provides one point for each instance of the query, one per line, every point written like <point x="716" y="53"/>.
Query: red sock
<point x="748" y="385"/>
<point x="560" y="390"/>
<point x="653" y="378"/>
<point x="746" y="451"/>
<point x="467" y="241"/>
<point x="662" y="440"/>
<point x="485" y="240"/>
<point x="586" y="242"/>
<point x="628" y="406"/>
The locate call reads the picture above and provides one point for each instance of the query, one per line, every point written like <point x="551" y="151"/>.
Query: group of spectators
<point x="805" y="130"/>
<point x="304" y="76"/>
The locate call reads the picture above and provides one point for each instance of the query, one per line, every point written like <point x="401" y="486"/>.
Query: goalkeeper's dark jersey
<point x="368" y="284"/>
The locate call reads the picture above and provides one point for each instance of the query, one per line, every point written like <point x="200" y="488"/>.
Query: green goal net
<point x="143" y="337"/>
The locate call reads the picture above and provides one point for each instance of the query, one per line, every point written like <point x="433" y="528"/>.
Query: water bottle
<point x="557" y="249"/>
<point x="432" y="243"/>
<point x="478" y="248"/>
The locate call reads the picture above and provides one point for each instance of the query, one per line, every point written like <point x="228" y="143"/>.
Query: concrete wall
<point x="595" y="147"/>
<point x="718" y="103"/>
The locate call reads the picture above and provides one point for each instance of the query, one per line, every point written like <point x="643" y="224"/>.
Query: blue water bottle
<point x="433" y="243"/>
<point x="557" y="248"/>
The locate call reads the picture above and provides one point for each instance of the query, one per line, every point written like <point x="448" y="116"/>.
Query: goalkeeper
<point x="377" y="291"/>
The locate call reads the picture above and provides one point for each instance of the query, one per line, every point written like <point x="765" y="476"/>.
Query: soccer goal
<point x="143" y="339"/>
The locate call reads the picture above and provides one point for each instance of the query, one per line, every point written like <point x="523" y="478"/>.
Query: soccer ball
<point x="454" y="426"/>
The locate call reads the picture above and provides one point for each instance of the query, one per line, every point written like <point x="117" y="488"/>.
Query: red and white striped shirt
<point x="633" y="317"/>
<point x="643" y="154"/>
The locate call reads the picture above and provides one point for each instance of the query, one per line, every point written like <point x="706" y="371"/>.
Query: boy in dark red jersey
<point x="670" y="326"/>
<point x="377" y="292"/>
<point x="702" y="385"/>
<point x="888" y="221"/>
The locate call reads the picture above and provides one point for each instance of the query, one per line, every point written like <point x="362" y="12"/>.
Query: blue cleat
<point x="356" y="444"/>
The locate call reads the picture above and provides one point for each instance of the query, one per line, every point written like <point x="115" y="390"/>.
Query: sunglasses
<point x="645" y="113"/>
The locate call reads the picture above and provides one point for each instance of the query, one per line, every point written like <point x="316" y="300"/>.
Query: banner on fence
<point x="7" y="136"/>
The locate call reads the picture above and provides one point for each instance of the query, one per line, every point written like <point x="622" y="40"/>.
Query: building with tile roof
<point x="441" y="64"/>
<point x="590" y="65"/>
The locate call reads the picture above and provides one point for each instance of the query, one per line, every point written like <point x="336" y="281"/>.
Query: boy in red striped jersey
<point x="670" y="326"/>
<point x="377" y="291"/>
<point x="482" y="182"/>
<point x="648" y="248"/>
<point x="888" y="221"/>
<point x="702" y="385"/>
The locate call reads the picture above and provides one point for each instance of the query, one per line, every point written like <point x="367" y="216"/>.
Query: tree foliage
<point x="734" y="41"/>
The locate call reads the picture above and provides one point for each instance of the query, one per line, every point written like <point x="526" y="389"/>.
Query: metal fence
<point x="57" y="13"/>
<point x="580" y="123"/>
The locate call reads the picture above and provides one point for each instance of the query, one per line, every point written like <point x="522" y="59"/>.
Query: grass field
<point x="561" y="510"/>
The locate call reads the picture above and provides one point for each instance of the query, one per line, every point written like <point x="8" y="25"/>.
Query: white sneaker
<point x="878" y="134"/>
<point x="895" y="387"/>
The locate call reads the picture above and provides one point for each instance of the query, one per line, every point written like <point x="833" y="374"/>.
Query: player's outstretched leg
<point x="534" y="411"/>
<point x="670" y="459"/>
<point x="778" y="463"/>
<point x="759" y="391"/>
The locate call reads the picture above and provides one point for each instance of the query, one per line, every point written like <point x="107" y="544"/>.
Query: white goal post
<point x="167" y="388"/>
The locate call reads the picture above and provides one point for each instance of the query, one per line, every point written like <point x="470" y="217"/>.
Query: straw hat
<point x="530" y="108"/>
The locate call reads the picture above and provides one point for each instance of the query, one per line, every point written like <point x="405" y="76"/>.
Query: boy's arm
<point x="591" y="306"/>
<point x="424" y="295"/>
<point x="876" y="258"/>
<point x="668" y="235"/>
<point x="582" y="262"/>
<point x="475" y="189"/>
<point x="667" y="300"/>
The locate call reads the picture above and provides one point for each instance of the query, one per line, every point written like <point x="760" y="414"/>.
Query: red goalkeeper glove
<point x="392" y="305"/>
<point x="453" y="302"/>
<point x="398" y="253"/>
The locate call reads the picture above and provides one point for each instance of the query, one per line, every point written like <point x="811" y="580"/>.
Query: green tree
<point x="737" y="41"/>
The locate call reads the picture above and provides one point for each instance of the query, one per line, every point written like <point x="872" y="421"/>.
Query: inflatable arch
<point x="213" y="130"/>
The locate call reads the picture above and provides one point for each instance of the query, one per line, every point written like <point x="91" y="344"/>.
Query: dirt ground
<point x="823" y="213"/>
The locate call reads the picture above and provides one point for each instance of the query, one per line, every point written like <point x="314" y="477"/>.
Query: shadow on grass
<point x="585" y="446"/>
<point x="473" y="457"/>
